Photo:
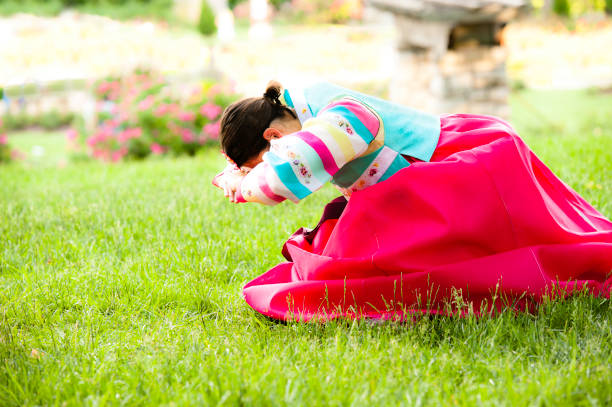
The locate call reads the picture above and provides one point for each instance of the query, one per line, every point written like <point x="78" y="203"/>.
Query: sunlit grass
<point x="120" y="284"/>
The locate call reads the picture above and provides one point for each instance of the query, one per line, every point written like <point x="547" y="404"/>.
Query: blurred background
<point x="114" y="80"/>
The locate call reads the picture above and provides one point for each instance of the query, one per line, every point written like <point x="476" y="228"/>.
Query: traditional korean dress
<point x="441" y="211"/>
<point x="350" y="139"/>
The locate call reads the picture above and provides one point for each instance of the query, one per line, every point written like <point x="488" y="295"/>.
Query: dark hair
<point x="244" y="122"/>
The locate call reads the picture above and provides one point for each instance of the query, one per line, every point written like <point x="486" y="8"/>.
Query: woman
<point x="441" y="210"/>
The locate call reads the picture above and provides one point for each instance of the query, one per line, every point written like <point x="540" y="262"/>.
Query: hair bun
<point x="273" y="92"/>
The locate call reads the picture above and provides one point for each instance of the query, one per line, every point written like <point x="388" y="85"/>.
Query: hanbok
<point x="472" y="221"/>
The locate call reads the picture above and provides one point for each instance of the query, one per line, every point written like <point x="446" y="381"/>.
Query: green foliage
<point x="278" y="3"/>
<point x="608" y="6"/>
<point x="5" y="153"/>
<point x="572" y="8"/>
<point x="326" y="11"/>
<point x="5" y="150"/>
<point x="233" y="3"/>
<point x="561" y="7"/>
<point x="119" y="9"/>
<point x="54" y="120"/>
<point x="17" y="121"/>
<point x="50" y="120"/>
<point x="37" y="7"/>
<point x="206" y="23"/>
<point x="274" y="3"/>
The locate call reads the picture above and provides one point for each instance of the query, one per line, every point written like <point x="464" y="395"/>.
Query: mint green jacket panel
<point x="407" y="131"/>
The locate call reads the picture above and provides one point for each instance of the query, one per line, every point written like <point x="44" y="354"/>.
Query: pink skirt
<point x="484" y="225"/>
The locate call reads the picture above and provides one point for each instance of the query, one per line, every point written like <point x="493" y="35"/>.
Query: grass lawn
<point x="120" y="284"/>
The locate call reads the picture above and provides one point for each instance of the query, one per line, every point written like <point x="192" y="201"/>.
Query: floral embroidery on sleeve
<point x="343" y="123"/>
<point x="297" y="162"/>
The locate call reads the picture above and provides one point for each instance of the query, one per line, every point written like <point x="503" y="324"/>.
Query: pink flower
<point x="210" y="110"/>
<point x="3" y="139"/>
<point x="162" y="110"/>
<point x="119" y="154"/>
<point x="129" y="133"/>
<point x="111" y="123"/>
<point x="214" y="90"/>
<point x="100" y="136"/>
<point x="146" y="103"/>
<point x="72" y="135"/>
<point x="122" y="116"/>
<point x="187" y="135"/>
<point x="18" y="155"/>
<point x="157" y="149"/>
<point x="186" y="116"/>
<point x="166" y="108"/>
<point x="92" y="141"/>
<point x="103" y="87"/>
<point x="100" y="154"/>
<point x="212" y="129"/>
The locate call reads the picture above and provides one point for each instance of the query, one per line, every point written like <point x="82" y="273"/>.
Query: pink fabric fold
<point x="485" y="223"/>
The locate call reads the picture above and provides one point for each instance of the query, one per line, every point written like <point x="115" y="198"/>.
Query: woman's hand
<point x="231" y="184"/>
<point x="229" y="180"/>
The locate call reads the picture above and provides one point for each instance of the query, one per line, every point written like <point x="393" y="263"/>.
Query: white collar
<point x="299" y="104"/>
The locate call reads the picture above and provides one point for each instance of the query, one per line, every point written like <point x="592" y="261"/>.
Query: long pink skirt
<point x="484" y="225"/>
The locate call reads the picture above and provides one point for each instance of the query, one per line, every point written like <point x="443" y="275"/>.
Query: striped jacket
<point x="345" y="131"/>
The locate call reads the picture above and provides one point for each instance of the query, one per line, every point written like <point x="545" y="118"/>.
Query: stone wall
<point x="468" y="81"/>
<point x="449" y="54"/>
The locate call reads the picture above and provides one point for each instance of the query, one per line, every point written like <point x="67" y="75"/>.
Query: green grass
<point x="120" y="284"/>
<point x="41" y="149"/>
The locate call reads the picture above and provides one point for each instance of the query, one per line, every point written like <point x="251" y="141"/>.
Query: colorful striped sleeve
<point x="301" y="163"/>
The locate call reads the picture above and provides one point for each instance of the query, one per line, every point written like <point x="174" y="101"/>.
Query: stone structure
<point x="450" y="54"/>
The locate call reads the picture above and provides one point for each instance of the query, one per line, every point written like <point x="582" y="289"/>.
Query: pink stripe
<point x="263" y="185"/>
<point x="239" y="197"/>
<point x="321" y="149"/>
<point x="363" y="114"/>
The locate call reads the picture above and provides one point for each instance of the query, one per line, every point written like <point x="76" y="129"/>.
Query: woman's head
<point x="247" y="126"/>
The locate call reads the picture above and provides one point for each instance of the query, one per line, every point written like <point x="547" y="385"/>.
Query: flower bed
<point x="5" y="150"/>
<point x="141" y="115"/>
<point x="7" y="154"/>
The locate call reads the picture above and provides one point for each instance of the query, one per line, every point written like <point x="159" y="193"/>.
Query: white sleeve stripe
<point x="278" y="187"/>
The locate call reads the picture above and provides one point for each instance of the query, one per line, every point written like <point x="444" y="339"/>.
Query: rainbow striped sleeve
<point x="262" y="185"/>
<point x="301" y="163"/>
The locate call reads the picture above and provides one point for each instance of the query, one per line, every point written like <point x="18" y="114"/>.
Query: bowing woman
<point x="432" y="208"/>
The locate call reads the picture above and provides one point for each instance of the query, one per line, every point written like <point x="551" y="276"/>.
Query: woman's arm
<point x="301" y="163"/>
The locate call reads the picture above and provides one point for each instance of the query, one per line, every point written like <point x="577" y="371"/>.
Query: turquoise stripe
<point x="315" y="164"/>
<point x="407" y="131"/>
<point x="287" y="97"/>
<point x="351" y="172"/>
<point x="397" y="164"/>
<point x="354" y="121"/>
<point x="287" y="176"/>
